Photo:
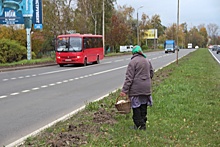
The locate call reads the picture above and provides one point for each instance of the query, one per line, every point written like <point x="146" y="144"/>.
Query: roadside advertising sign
<point x="150" y="34"/>
<point x="13" y="11"/>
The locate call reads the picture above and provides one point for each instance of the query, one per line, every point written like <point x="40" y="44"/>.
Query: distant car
<point x="196" y="47"/>
<point x="126" y="48"/>
<point x="218" y="50"/>
<point x="214" y="47"/>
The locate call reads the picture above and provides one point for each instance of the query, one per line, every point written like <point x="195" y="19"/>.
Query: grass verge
<point x="185" y="112"/>
<point x="28" y="62"/>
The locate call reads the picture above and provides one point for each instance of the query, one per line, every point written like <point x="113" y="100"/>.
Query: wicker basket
<point x="123" y="108"/>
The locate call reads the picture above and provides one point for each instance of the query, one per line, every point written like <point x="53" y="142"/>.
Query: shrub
<point x="11" y="51"/>
<point x="144" y="47"/>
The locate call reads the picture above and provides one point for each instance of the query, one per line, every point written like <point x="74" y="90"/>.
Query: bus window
<point x="100" y="44"/>
<point x="86" y="43"/>
<point x="75" y="44"/>
<point x="62" y="44"/>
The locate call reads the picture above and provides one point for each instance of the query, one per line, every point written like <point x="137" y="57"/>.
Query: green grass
<point x="28" y="62"/>
<point x="185" y="112"/>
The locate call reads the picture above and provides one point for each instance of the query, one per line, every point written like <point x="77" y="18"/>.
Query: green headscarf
<point x="137" y="49"/>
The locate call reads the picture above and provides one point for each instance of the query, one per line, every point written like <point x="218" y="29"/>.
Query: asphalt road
<point x="215" y="55"/>
<point x="33" y="98"/>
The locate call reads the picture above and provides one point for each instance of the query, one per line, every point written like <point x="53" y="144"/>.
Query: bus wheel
<point x="97" y="61"/>
<point x="61" y="65"/>
<point x="85" y="62"/>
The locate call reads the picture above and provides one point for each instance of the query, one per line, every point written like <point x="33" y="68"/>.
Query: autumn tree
<point x="195" y="37"/>
<point x="204" y="34"/>
<point x="121" y="28"/>
<point x="171" y="32"/>
<point x="213" y="31"/>
<point x="88" y="15"/>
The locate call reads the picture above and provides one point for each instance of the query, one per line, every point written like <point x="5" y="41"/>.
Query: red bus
<point x="79" y="49"/>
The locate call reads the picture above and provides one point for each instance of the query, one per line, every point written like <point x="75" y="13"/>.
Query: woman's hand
<point x="122" y="94"/>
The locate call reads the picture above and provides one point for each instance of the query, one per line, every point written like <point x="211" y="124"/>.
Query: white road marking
<point x="65" y="117"/>
<point x="3" y="96"/>
<point x="44" y="86"/>
<point x="16" y="93"/>
<point x="118" y="60"/>
<point x="24" y="91"/>
<point x="52" y="72"/>
<point x="108" y="62"/>
<point x="68" y="80"/>
<point x="214" y="57"/>
<point x="36" y="88"/>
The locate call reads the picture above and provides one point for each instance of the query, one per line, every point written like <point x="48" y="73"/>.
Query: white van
<point x="126" y="48"/>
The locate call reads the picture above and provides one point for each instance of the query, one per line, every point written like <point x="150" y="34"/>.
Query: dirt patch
<point x="102" y="116"/>
<point x="160" y="76"/>
<point x="77" y="131"/>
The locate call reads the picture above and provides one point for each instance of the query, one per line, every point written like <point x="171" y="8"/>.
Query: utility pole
<point x="103" y="25"/>
<point x="177" y="32"/>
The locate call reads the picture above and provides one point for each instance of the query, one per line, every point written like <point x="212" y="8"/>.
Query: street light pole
<point x="138" y="26"/>
<point x="103" y="25"/>
<point x="177" y="32"/>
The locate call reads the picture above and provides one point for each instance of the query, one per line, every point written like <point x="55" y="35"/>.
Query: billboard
<point x="150" y="34"/>
<point x="37" y="16"/>
<point x="14" y="11"/>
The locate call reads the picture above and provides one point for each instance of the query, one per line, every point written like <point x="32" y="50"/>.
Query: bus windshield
<point x="70" y="44"/>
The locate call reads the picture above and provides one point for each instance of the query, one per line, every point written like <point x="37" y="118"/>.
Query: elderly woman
<point x="137" y="86"/>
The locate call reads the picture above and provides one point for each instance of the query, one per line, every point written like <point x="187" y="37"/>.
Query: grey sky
<point x="193" y="12"/>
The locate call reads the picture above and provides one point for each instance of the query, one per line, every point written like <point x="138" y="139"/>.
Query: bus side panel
<point x="93" y="53"/>
<point x="93" y="48"/>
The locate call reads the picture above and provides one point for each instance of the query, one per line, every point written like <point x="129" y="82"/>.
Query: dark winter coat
<point x="138" y="76"/>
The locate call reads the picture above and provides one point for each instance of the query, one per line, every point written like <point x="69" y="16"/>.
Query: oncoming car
<point x="218" y="50"/>
<point x="214" y="48"/>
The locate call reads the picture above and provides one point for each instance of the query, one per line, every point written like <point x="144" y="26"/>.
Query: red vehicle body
<point x="79" y="49"/>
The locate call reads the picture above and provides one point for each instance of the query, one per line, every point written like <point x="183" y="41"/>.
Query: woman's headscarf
<point x="137" y="49"/>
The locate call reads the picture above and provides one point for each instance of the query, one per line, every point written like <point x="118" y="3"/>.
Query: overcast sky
<point x="193" y="12"/>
